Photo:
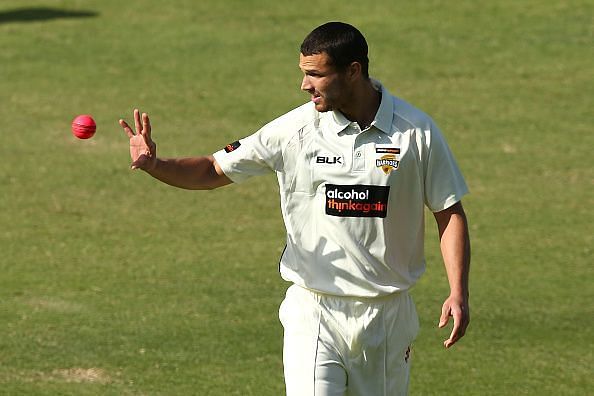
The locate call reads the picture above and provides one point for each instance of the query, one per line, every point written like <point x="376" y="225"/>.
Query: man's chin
<point x="322" y="108"/>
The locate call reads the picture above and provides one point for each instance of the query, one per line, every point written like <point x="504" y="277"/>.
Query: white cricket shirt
<point x="352" y="201"/>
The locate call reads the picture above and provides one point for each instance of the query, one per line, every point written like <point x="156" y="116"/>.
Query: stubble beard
<point x="323" y="108"/>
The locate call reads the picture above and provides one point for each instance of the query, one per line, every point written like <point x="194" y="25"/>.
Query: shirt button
<point x="358" y="154"/>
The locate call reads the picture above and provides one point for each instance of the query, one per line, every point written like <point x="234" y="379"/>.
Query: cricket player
<point x="356" y="166"/>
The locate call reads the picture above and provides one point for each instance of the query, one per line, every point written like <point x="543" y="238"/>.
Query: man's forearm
<point x="455" y="248"/>
<point x="193" y="173"/>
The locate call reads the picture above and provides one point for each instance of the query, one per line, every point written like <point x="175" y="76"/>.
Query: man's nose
<point x="306" y="84"/>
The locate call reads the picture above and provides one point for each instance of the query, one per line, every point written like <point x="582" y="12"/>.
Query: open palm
<point x="143" y="151"/>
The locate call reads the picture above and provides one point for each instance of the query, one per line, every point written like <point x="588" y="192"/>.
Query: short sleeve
<point x="254" y="155"/>
<point x="444" y="183"/>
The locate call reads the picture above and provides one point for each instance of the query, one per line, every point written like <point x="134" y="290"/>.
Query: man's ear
<point x="354" y="71"/>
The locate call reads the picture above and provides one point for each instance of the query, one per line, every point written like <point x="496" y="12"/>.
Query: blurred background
<point x="112" y="283"/>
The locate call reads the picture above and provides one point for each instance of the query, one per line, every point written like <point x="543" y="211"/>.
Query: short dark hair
<point x="342" y="42"/>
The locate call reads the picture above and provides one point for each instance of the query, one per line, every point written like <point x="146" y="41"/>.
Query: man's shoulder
<point x="286" y="127"/>
<point x="407" y="116"/>
<point x="296" y="118"/>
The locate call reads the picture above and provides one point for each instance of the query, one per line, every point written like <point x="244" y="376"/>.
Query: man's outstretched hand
<point x="143" y="151"/>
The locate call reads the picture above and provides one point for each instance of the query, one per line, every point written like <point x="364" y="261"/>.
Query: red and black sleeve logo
<point x="232" y="146"/>
<point x="357" y="200"/>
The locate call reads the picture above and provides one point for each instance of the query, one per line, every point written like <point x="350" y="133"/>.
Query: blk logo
<point x="328" y="160"/>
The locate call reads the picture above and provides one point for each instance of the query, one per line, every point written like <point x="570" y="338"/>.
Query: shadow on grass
<point x="36" y="14"/>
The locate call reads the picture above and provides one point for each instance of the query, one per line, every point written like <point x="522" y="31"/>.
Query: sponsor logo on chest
<point x="388" y="162"/>
<point x="357" y="200"/>
<point x="329" y="160"/>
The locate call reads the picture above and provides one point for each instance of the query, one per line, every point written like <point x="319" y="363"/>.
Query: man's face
<point x="327" y="86"/>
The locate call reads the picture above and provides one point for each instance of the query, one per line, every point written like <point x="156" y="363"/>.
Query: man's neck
<point x="364" y="105"/>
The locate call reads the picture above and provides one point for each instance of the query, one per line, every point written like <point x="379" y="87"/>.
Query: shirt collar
<point x="383" y="117"/>
<point x="338" y="122"/>
<point x="385" y="112"/>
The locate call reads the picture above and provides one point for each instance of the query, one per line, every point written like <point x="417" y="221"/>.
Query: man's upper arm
<point x="221" y="178"/>
<point x="443" y="217"/>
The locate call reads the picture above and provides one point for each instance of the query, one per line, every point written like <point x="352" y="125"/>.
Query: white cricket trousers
<point x="338" y="346"/>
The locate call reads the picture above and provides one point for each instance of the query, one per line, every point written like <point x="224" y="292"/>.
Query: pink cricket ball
<point x="83" y="126"/>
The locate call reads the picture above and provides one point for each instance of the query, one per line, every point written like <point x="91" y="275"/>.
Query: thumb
<point x="445" y="316"/>
<point x="139" y="163"/>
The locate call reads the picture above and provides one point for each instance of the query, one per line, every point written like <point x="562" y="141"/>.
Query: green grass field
<point x="113" y="284"/>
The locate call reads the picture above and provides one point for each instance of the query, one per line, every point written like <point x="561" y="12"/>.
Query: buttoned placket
<point x="358" y="149"/>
